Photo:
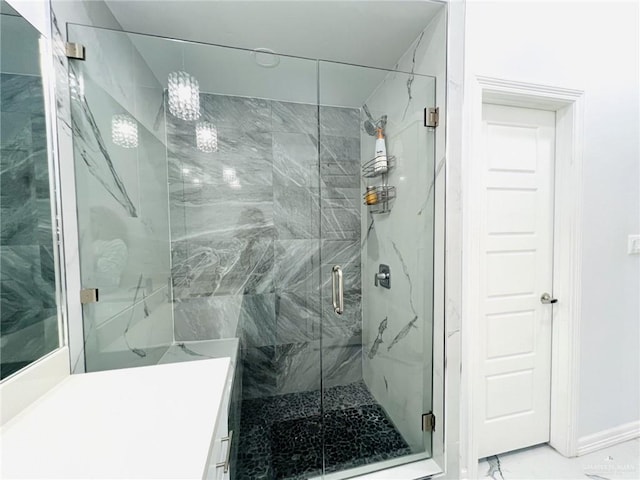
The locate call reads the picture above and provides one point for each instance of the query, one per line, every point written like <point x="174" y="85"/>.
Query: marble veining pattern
<point x="411" y="77"/>
<point x="619" y="462"/>
<point x="495" y="470"/>
<point x="250" y="225"/>
<point x="90" y="147"/>
<point x="403" y="240"/>
<point x="376" y="343"/>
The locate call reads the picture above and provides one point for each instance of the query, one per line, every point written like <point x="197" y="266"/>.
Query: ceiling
<point x="363" y="32"/>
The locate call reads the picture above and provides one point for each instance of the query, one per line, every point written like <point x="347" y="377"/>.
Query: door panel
<point x="516" y="254"/>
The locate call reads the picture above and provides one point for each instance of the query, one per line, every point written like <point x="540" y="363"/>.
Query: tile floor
<point x="619" y="462"/>
<point x="281" y="437"/>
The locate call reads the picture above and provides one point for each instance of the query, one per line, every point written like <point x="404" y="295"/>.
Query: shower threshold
<point x="281" y="437"/>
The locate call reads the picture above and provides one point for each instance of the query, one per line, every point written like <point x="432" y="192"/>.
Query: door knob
<point x="546" y="298"/>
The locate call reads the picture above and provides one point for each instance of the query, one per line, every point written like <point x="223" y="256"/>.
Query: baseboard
<point x="608" y="438"/>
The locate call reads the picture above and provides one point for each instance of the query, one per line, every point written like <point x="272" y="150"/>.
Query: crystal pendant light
<point x="124" y="131"/>
<point x="206" y="137"/>
<point x="184" y="96"/>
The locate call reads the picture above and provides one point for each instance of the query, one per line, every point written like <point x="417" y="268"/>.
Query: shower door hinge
<point x="428" y="422"/>
<point x="431" y="117"/>
<point x="74" y="50"/>
<point x="88" y="295"/>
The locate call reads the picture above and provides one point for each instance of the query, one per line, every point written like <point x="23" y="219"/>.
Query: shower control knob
<point x="380" y="276"/>
<point x="383" y="277"/>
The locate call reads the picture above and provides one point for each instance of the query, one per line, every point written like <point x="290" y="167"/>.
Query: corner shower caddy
<point x="384" y="192"/>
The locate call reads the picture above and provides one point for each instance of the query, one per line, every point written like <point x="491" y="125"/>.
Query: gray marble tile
<point x="45" y="230"/>
<point x="177" y="213"/>
<point x="295" y="212"/>
<point x="21" y="93"/>
<point x="348" y="198"/>
<point x="206" y="318"/>
<point x="243" y="113"/>
<point x="15" y="130"/>
<point x="39" y="130"/>
<point x="340" y="252"/>
<point x="341" y="365"/>
<point x="340" y="223"/>
<point x="27" y="295"/>
<point x="17" y="177"/>
<point x="294" y="117"/>
<point x="277" y="164"/>
<point x="257" y="324"/>
<point x="174" y="167"/>
<point x="296" y="266"/>
<point x="298" y="367"/>
<point x="241" y="214"/>
<point x="19" y="262"/>
<point x="47" y="265"/>
<point x="19" y="224"/>
<point x="340" y="154"/>
<point x="259" y="372"/>
<point x="340" y="121"/>
<point x="295" y="160"/>
<point x="41" y="167"/>
<point x="345" y="329"/>
<point x="222" y="267"/>
<point x="244" y="155"/>
<point x="297" y="317"/>
<point x="19" y="310"/>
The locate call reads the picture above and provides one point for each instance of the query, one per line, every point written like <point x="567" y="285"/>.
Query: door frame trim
<point x="569" y="107"/>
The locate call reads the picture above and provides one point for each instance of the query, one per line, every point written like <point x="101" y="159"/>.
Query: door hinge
<point x="88" y="295"/>
<point x="428" y="422"/>
<point x="431" y="117"/>
<point x="74" y="50"/>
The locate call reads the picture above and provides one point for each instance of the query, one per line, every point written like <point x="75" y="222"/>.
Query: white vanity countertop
<point x="154" y="422"/>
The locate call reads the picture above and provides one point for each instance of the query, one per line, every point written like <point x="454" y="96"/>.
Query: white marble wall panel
<point x="398" y="323"/>
<point x="136" y="336"/>
<point x="117" y="68"/>
<point x="121" y="194"/>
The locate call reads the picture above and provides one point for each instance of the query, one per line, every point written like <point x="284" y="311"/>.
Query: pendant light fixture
<point x="124" y="131"/>
<point x="206" y="137"/>
<point x="184" y="96"/>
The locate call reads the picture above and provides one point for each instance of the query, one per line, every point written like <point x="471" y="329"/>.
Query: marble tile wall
<point x="398" y="323"/>
<point x="255" y="227"/>
<point x="27" y="275"/>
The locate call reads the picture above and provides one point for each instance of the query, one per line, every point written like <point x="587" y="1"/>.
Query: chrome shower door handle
<point x="337" y="289"/>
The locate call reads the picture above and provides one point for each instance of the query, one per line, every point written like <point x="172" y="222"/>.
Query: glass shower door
<point x="239" y="240"/>
<point x="121" y="190"/>
<point x="377" y="226"/>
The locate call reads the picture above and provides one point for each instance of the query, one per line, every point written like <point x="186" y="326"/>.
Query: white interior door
<point x="516" y="257"/>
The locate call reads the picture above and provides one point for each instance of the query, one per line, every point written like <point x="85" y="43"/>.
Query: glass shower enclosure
<point x="242" y="199"/>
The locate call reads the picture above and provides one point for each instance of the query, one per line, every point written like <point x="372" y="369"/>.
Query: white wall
<point x="590" y="46"/>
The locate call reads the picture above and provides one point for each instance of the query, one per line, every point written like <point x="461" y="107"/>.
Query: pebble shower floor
<point x="281" y="436"/>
